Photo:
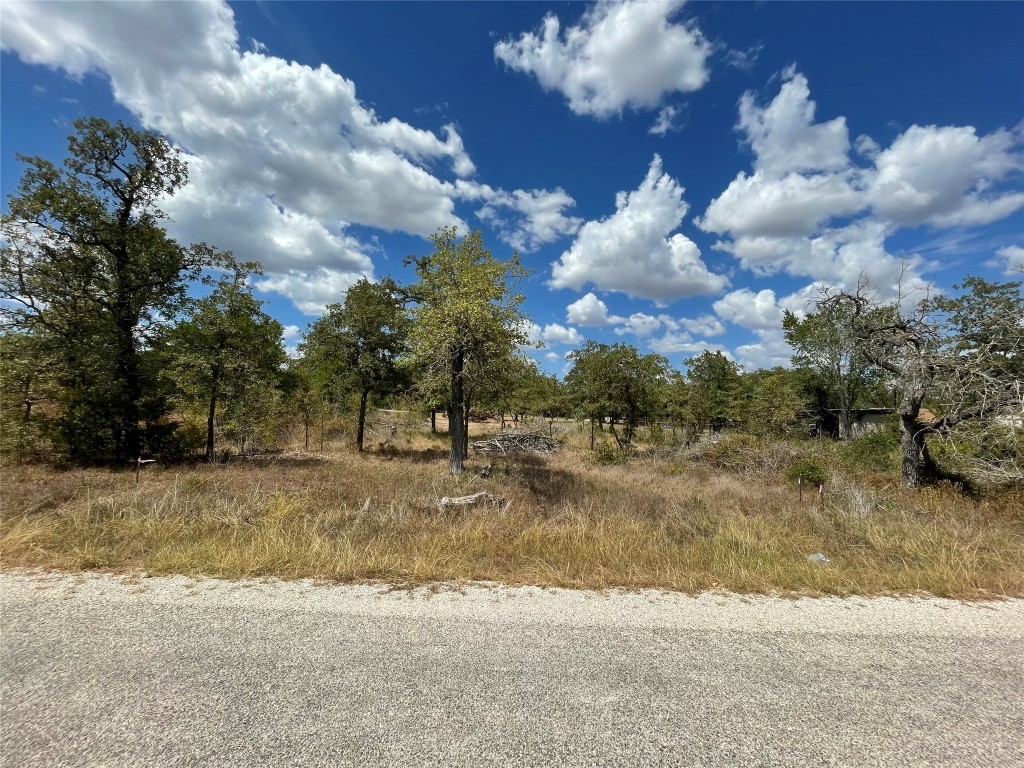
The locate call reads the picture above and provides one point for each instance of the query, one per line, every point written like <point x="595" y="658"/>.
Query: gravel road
<point x="102" y="670"/>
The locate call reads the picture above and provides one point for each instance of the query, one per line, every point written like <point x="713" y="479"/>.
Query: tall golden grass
<point x="566" y="521"/>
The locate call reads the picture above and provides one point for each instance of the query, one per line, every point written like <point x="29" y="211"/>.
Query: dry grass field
<point x="678" y="522"/>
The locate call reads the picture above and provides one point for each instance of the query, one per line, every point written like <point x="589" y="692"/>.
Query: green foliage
<point x="773" y="403"/>
<point x="617" y="381"/>
<point x="225" y="356"/>
<point x="961" y="352"/>
<point x="607" y="452"/>
<point x="712" y="389"/>
<point x="878" y="449"/>
<point x="87" y="269"/>
<point x="809" y="470"/>
<point x="825" y="344"/>
<point x="466" y="320"/>
<point x="357" y="345"/>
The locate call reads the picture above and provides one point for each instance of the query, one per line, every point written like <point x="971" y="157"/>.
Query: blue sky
<point x="674" y="175"/>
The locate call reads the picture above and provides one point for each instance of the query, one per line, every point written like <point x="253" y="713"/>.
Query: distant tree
<point x="304" y="393"/>
<point x="824" y="343"/>
<point x="773" y="402"/>
<point x="466" y="317"/>
<point x="227" y="352"/>
<point x="712" y="391"/>
<point x="964" y="353"/>
<point x="518" y="388"/>
<point x="358" y="343"/>
<point x="617" y="381"/>
<point x="85" y="260"/>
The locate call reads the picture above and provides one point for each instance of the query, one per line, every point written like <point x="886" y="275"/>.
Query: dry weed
<point x="566" y="522"/>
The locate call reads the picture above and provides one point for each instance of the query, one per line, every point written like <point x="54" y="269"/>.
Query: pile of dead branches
<point x="508" y="442"/>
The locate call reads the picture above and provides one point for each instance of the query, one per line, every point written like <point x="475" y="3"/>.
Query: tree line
<point x="118" y="341"/>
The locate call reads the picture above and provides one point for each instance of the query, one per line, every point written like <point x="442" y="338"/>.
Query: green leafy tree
<point x="824" y="343"/>
<point x="712" y="391"/>
<point x="359" y="343"/>
<point x="964" y="353"/>
<point x="773" y="402"/>
<point x="226" y="352"/>
<point x="466" y="318"/>
<point x="86" y="260"/>
<point x="617" y="381"/>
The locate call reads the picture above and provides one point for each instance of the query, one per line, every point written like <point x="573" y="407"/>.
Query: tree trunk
<point x="917" y="466"/>
<point x="362" y="419"/>
<point x="615" y="434"/>
<point x="456" y="415"/>
<point x="433" y="421"/>
<point x="323" y="417"/>
<point x="305" y="425"/>
<point x="591" y="433"/>
<point x="211" y="455"/>
<point x="128" y="437"/>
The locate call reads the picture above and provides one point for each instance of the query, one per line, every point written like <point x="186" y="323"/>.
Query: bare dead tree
<point x="964" y="354"/>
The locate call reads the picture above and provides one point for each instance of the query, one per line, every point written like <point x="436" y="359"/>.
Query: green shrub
<point x="879" y="450"/>
<point x="609" y="453"/>
<point x="809" y="469"/>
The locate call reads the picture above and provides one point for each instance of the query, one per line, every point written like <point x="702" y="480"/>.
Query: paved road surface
<point x="107" y="671"/>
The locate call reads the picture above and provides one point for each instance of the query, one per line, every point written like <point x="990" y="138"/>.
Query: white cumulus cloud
<point x="756" y="311"/>
<point x="945" y="176"/>
<point x="622" y="54"/>
<point x="554" y="333"/>
<point x="590" y="312"/>
<point x="785" y="137"/>
<point x="634" y="251"/>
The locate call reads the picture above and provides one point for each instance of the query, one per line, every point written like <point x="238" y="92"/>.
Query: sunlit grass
<point x="567" y="521"/>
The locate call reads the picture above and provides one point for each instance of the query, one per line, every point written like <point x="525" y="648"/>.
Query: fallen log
<point x="466" y="501"/>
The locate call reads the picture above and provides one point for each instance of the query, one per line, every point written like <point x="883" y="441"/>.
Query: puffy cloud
<point x="704" y="325"/>
<point x="309" y="291"/>
<point x="945" y="176"/>
<point x="524" y="219"/>
<point x="554" y="333"/>
<point x="785" y="137"/>
<point x="640" y="325"/>
<point x="255" y="228"/>
<point x="839" y="257"/>
<point x="590" y="312"/>
<point x="634" y="251"/>
<point x="681" y="342"/>
<point x="623" y="53"/>
<point x="802" y="176"/>
<point x="757" y="311"/>
<point x="789" y="206"/>
<point x="785" y="215"/>
<point x="770" y="350"/>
